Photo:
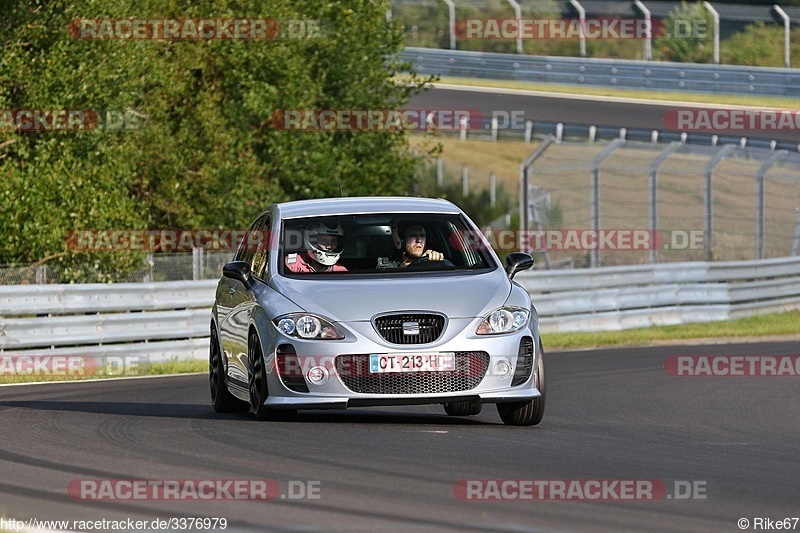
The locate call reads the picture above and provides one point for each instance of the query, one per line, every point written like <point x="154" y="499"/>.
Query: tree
<point x="200" y="149"/>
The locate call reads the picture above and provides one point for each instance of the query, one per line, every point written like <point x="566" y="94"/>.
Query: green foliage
<point x="680" y="42"/>
<point x="206" y="154"/>
<point x="760" y="45"/>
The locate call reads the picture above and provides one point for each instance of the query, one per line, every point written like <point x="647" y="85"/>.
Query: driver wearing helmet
<point x="324" y="243"/>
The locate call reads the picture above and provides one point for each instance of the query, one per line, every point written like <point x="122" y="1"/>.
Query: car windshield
<point x="380" y="244"/>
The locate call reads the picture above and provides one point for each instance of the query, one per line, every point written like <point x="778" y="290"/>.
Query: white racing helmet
<point x="324" y="257"/>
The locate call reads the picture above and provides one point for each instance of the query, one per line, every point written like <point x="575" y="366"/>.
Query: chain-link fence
<point x="199" y="264"/>
<point x="615" y="203"/>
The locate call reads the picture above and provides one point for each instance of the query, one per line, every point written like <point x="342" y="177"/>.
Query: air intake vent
<point x="524" y="362"/>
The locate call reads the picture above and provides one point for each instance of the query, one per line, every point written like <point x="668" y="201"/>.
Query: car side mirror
<point x="517" y="262"/>
<point x="238" y="270"/>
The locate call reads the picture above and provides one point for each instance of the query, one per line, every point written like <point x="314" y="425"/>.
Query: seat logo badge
<point x="410" y="328"/>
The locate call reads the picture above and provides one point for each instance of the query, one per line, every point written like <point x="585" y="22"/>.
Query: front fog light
<point x="502" y="368"/>
<point x="317" y="375"/>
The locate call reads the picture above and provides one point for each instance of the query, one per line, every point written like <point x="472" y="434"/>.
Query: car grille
<point x="470" y="369"/>
<point x="395" y="328"/>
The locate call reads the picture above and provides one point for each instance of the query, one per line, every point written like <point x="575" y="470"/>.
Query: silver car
<point x="353" y="302"/>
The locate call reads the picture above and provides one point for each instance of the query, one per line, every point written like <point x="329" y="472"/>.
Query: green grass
<point x="781" y="324"/>
<point x="746" y="100"/>
<point x="156" y="369"/>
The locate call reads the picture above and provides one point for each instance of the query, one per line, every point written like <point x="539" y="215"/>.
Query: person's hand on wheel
<point x="433" y="255"/>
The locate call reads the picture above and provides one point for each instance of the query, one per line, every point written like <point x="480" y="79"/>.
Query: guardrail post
<point x="582" y="15"/>
<point x="709" y="172"/>
<point x="760" y="175"/>
<point x="787" y="32"/>
<point x="528" y="131"/>
<point x="715" y="15"/>
<point x="595" y="209"/>
<point x="648" y="30"/>
<point x="451" y="8"/>
<point x="653" y="173"/>
<point x="494" y="129"/>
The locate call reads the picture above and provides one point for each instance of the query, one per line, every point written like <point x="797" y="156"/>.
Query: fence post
<point x="439" y="172"/>
<point x="582" y="16"/>
<point x="492" y="189"/>
<point x="595" y="188"/>
<point x="451" y="9"/>
<point x="648" y="31"/>
<point x="715" y="15"/>
<point x="709" y="172"/>
<point x="760" y="176"/>
<point x="196" y="263"/>
<point x="464" y="179"/>
<point x="528" y="131"/>
<point x="524" y="193"/>
<point x="653" y="173"/>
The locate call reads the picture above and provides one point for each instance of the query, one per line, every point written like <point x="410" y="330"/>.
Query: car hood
<point x="348" y="299"/>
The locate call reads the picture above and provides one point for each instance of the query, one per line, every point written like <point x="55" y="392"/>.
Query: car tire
<point x="221" y="398"/>
<point x="526" y="413"/>
<point x="257" y="384"/>
<point x="462" y="408"/>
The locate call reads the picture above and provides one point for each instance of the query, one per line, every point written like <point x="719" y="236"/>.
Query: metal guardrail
<point x="624" y="74"/>
<point x="155" y="321"/>
<point x="160" y="321"/>
<point x="615" y="298"/>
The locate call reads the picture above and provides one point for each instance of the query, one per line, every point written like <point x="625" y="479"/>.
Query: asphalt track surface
<point x="644" y="116"/>
<point x="611" y="414"/>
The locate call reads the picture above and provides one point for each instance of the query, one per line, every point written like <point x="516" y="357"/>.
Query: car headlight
<point x="504" y="320"/>
<point x="306" y="326"/>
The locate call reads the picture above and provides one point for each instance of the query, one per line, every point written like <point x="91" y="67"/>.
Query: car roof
<point x="366" y="204"/>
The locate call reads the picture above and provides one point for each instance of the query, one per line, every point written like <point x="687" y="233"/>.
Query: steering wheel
<point x="420" y="261"/>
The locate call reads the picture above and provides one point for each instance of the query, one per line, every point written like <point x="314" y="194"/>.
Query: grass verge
<point x="772" y="325"/>
<point x="155" y="369"/>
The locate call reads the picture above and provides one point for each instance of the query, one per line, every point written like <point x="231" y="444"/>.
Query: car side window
<point x="249" y="245"/>
<point x="260" y="240"/>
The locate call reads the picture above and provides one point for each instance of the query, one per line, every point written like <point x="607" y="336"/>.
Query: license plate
<point x="412" y="362"/>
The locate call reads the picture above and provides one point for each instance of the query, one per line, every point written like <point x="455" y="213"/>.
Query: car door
<point x="240" y="300"/>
